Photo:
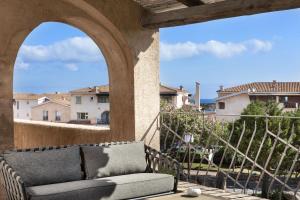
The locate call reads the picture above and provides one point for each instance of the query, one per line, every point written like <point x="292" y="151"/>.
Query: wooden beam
<point x="191" y="3"/>
<point x="218" y="10"/>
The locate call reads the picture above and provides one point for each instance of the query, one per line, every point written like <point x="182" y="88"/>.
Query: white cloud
<point x="75" y="49"/>
<point x="72" y="66"/>
<point x="259" y="45"/>
<point x="20" y="64"/>
<point x="216" y="48"/>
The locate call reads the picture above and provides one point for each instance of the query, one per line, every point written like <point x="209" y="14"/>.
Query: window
<point x="283" y="99"/>
<point x="18" y="105"/>
<point x="45" y="115"/>
<point x="103" y="99"/>
<point x="57" y="116"/>
<point x="82" y="116"/>
<point x="27" y="102"/>
<point x="221" y="105"/>
<point x="166" y="99"/>
<point x="78" y="99"/>
<point x="92" y="99"/>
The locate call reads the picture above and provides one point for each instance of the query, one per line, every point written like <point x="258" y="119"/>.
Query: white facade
<point x="233" y="105"/>
<point x="22" y="108"/>
<point x="177" y="101"/>
<point x="181" y="99"/>
<point x="89" y="105"/>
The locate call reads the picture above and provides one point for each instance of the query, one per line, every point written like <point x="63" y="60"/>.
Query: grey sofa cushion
<point x="114" y="160"/>
<point x="46" y="167"/>
<point x="110" y="188"/>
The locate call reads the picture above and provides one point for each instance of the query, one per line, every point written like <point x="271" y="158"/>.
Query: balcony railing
<point x="252" y="154"/>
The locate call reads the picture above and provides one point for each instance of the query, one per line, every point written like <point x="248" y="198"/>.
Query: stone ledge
<point x="62" y="125"/>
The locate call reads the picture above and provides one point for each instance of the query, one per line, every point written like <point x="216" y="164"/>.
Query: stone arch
<point x="83" y="16"/>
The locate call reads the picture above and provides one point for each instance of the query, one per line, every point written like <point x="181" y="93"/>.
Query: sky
<point x="228" y="52"/>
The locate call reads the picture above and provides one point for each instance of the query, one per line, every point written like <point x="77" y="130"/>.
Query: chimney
<point x="221" y="87"/>
<point x="97" y="90"/>
<point x="181" y="87"/>
<point x="197" y="95"/>
<point x="274" y="85"/>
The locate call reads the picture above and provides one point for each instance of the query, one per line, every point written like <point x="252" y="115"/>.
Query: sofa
<point x="88" y="172"/>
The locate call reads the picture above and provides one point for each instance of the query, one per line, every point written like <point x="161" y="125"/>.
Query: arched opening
<point x="60" y="75"/>
<point x="115" y="51"/>
<point x="105" y="117"/>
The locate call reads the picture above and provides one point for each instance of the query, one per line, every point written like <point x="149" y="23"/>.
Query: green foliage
<point x="274" y="125"/>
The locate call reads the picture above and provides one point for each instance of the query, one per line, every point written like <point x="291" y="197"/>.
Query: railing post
<point x="189" y="160"/>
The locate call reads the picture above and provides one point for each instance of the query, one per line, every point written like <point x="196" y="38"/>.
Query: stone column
<point x="6" y="111"/>
<point x="146" y="92"/>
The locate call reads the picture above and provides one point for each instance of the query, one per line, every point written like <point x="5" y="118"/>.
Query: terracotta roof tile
<point x="264" y="87"/>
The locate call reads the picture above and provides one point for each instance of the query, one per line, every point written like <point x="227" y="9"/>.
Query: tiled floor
<point x="207" y="194"/>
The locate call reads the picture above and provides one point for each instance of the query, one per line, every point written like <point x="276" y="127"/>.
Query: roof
<point x="104" y="89"/>
<point x="31" y="96"/>
<point x="285" y="87"/>
<point x="57" y="101"/>
<point x="166" y="13"/>
<point x="262" y="88"/>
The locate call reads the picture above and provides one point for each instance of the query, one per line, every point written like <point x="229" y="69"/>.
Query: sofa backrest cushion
<point x="46" y="167"/>
<point x="114" y="160"/>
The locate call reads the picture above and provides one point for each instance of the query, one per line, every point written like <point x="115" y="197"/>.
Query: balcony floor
<point x="207" y="194"/>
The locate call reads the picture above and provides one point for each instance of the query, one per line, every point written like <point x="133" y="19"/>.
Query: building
<point x="91" y="105"/>
<point x="233" y="100"/>
<point x="177" y="97"/>
<point x="52" y="111"/>
<point x="24" y="102"/>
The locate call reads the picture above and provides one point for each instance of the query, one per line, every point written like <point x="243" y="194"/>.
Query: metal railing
<point x="253" y="154"/>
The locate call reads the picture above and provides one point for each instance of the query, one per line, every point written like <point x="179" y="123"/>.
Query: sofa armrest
<point x="158" y="162"/>
<point x="11" y="182"/>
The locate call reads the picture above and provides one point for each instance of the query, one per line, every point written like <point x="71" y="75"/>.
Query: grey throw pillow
<point x="114" y="160"/>
<point x="46" y="167"/>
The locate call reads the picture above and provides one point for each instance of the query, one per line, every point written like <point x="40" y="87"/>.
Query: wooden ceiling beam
<point x="213" y="11"/>
<point x="191" y="3"/>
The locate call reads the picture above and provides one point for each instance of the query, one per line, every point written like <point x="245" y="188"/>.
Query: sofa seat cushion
<point x="46" y="167"/>
<point x="109" y="188"/>
<point x="114" y="160"/>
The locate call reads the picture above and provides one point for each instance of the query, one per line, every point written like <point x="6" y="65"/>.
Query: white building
<point x="52" y="111"/>
<point x="233" y="100"/>
<point x="91" y="105"/>
<point x="22" y="105"/>
<point x="24" y="102"/>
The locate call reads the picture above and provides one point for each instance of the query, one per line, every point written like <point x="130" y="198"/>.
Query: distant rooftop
<point x="263" y="87"/>
<point x="104" y="89"/>
<point x="52" y="96"/>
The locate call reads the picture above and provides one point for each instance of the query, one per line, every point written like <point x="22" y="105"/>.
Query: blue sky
<point x="265" y="47"/>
